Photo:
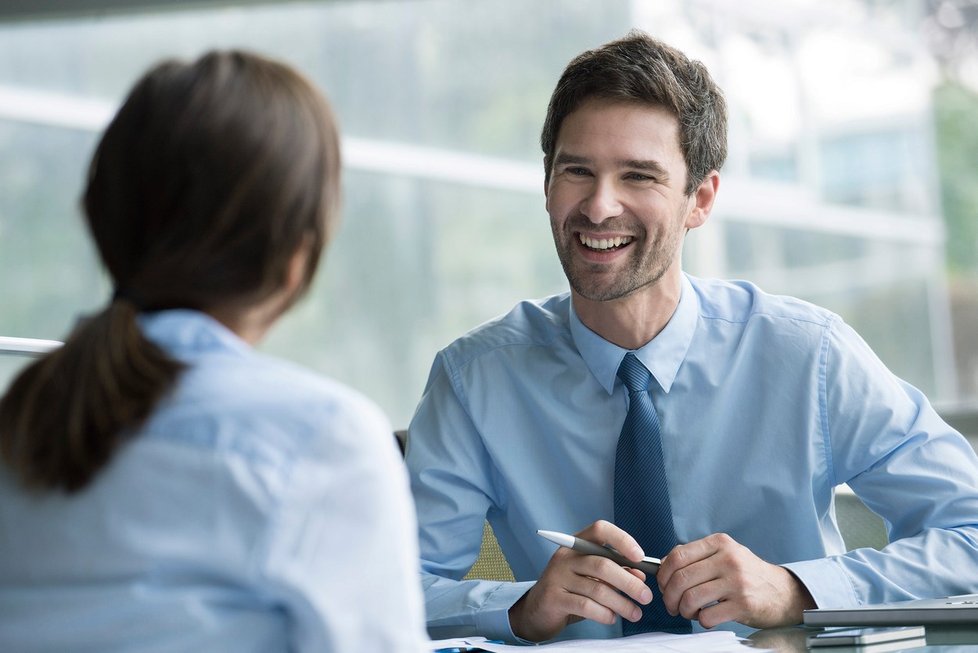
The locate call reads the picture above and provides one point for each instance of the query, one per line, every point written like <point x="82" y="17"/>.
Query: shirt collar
<point x="663" y="355"/>
<point x="185" y="332"/>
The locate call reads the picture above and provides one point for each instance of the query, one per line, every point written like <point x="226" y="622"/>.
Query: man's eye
<point x="578" y="172"/>
<point x="638" y="176"/>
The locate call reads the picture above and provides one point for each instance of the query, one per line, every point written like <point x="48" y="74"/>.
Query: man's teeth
<point x="604" y="243"/>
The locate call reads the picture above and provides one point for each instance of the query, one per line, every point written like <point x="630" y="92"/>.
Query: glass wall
<point x="828" y="195"/>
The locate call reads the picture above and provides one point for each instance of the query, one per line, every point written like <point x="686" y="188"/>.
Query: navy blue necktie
<point x="642" y="506"/>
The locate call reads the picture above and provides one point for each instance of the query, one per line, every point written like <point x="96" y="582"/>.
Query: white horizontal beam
<point x="786" y="205"/>
<point x="72" y="112"/>
<point x="741" y="200"/>
<point x="26" y="346"/>
<point x="442" y="165"/>
<point x="866" y="272"/>
<point x="54" y="109"/>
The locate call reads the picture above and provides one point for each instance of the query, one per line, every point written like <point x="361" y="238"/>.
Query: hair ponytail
<point x="65" y="415"/>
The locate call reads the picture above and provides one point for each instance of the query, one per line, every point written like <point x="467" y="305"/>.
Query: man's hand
<point x="745" y="588"/>
<point x="575" y="587"/>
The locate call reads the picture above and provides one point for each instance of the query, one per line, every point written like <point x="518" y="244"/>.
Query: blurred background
<point x="852" y="179"/>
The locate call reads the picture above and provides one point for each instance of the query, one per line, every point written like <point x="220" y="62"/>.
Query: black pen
<point x="649" y="565"/>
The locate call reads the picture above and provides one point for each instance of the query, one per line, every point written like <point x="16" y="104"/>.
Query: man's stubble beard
<point x="646" y="271"/>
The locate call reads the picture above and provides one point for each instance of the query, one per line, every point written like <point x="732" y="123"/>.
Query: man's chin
<point x="595" y="293"/>
<point x="619" y="289"/>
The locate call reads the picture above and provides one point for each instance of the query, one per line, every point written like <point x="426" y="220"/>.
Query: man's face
<point x="615" y="198"/>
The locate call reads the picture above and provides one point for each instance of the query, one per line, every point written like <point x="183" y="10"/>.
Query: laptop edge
<point x="950" y="610"/>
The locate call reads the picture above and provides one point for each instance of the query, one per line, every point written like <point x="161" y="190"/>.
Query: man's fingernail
<point x="646" y="596"/>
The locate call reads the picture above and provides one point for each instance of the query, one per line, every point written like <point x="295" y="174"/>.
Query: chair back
<point x="860" y="526"/>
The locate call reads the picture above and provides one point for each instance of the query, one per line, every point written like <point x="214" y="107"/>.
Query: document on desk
<point x="714" y="641"/>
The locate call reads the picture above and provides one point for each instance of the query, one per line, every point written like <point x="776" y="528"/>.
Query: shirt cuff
<point x="826" y="581"/>
<point x="492" y="621"/>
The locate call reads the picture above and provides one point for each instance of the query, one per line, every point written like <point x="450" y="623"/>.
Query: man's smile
<point x="604" y="244"/>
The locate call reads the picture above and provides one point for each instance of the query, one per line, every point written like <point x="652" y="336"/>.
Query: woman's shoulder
<point x="258" y="401"/>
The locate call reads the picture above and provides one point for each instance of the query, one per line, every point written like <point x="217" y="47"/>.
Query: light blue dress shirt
<point x="262" y="508"/>
<point x="767" y="404"/>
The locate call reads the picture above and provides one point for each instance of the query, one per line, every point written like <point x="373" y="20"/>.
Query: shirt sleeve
<point x="452" y="483"/>
<point x="886" y="441"/>
<point x="341" y="555"/>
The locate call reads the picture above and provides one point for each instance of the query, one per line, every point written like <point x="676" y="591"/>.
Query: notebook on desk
<point x="961" y="609"/>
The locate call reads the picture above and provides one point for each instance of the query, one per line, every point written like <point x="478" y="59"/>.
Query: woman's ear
<point x="295" y="273"/>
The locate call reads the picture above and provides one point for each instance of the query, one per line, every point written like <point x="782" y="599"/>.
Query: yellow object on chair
<point x="491" y="563"/>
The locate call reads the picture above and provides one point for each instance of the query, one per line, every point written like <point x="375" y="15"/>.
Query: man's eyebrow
<point x="570" y="158"/>
<point x="651" y="166"/>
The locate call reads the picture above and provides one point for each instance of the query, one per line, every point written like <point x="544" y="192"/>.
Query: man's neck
<point x="632" y="321"/>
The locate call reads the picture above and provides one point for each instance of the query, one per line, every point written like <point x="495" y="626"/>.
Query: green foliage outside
<point x="956" y="113"/>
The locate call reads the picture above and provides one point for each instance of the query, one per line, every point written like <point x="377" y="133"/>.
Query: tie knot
<point x="633" y="374"/>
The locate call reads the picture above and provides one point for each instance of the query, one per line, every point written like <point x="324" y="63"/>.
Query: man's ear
<point x="546" y="186"/>
<point x="703" y="198"/>
<point x="546" y="179"/>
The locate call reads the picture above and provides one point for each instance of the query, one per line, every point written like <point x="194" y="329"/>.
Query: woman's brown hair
<point x="204" y="186"/>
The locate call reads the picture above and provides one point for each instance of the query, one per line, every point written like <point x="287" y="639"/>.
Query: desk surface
<point x="940" y="639"/>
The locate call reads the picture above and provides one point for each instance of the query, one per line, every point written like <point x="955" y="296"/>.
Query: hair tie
<point x="126" y="295"/>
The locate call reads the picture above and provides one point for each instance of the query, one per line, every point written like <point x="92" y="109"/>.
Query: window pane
<point x="828" y="193"/>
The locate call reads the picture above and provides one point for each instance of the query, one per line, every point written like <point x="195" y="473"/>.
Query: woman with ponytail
<point x="164" y="487"/>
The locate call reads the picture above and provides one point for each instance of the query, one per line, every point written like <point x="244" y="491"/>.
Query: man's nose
<point x="602" y="202"/>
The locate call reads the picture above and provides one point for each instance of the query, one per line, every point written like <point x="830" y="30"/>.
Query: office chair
<point x="491" y="564"/>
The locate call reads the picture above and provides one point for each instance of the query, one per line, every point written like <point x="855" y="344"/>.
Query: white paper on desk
<point x="714" y="641"/>
<point x="456" y="642"/>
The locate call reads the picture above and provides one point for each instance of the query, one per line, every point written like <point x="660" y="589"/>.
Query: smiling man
<point x="701" y="421"/>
